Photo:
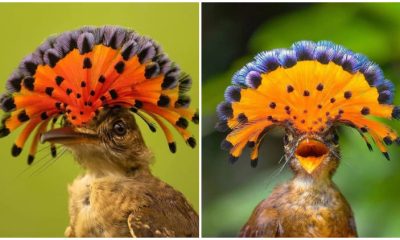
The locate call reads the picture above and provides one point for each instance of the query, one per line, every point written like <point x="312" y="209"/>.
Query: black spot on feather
<point x="195" y="118"/>
<point x="233" y="159"/>
<point x="232" y="94"/>
<point x="22" y="116"/>
<point x="29" y="83"/>
<point x="119" y="67"/>
<point x="15" y="150"/>
<point x="8" y="104"/>
<point x="172" y="147"/>
<point x="192" y="142"/>
<point x="225" y="110"/>
<point x="15" y="83"/>
<point x="30" y="67"/>
<point x="58" y="105"/>
<point x="142" y="55"/>
<point x="183" y="101"/>
<point x="126" y="53"/>
<point x="254" y="162"/>
<point x="59" y="80"/>
<point x="347" y="95"/>
<point x="396" y="112"/>
<point x="182" y="123"/>
<point x="53" y="151"/>
<point x="163" y="101"/>
<point x="138" y="104"/>
<point x="102" y="79"/>
<point x="226" y="145"/>
<point x="365" y="111"/>
<point x="151" y="70"/>
<point x="242" y="118"/>
<point x="272" y="105"/>
<point x="289" y="88"/>
<point x="113" y="94"/>
<point x="86" y="46"/>
<point x="53" y="59"/>
<point x="44" y="116"/>
<point x="386" y="155"/>
<point x="87" y="63"/>
<point x="31" y="158"/>
<point x="387" y="141"/>
<point x="169" y="82"/>
<point x="49" y="91"/>
<point x="4" y="131"/>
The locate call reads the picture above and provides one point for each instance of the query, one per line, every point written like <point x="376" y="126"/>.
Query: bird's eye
<point x="119" y="128"/>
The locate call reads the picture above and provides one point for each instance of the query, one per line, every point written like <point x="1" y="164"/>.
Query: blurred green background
<point x="231" y="35"/>
<point x="34" y="203"/>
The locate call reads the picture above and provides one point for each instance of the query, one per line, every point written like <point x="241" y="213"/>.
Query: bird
<point x="309" y="90"/>
<point x="83" y="89"/>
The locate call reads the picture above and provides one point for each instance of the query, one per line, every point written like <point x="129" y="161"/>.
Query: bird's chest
<point x="94" y="211"/>
<point x="322" y="213"/>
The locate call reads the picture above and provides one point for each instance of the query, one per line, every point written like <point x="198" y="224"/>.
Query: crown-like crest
<point x="76" y="74"/>
<point x="309" y="87"/>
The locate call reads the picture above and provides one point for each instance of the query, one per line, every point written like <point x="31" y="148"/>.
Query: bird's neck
<point x="304" y="181"/>
<point x="118" y="171"/>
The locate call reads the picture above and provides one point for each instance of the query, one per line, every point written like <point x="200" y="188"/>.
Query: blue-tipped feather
<point x="304" y="50"/>
<point x="267" y="61"/>
<point x="253" y="79"/>
<point x="224" y="111"/>
<point x="386" y="92"/>
<point x="323" y="54"/>
<point x="373" y="73"/>
<point x="350" y="63"/>
<point x="232" y="94"/>
<point x="396" y="112"/>
<point x="287" y="58"/>
<point x="239" y="78"/>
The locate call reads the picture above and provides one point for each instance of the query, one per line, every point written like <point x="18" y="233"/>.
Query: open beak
<point x="310" y="154"/>
<point x="67" y="136"/>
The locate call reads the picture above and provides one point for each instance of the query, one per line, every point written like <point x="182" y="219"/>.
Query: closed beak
<point x="67" y="135"/>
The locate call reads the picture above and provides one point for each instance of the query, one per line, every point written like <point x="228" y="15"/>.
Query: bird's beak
<point x="310" y="153"/>
<point x="67" y="136"/>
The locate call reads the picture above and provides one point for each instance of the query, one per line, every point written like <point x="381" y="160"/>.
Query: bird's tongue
<point x="310" y="154"/>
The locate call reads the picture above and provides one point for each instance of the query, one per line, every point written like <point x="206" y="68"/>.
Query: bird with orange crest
<point x="81" y="89"/>
<point x="309" y="90"/>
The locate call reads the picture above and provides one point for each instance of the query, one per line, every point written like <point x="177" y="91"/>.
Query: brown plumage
<point x="118" y="196"/>
<point x="309" y="205"/>
<point x="136" y="205"/>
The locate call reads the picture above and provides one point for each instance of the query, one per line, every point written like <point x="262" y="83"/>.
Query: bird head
<point x="111" y="140"/>
<point x="312" y="154"/>
<point x="91" y="82"/>
<point x="309" y="90"/>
